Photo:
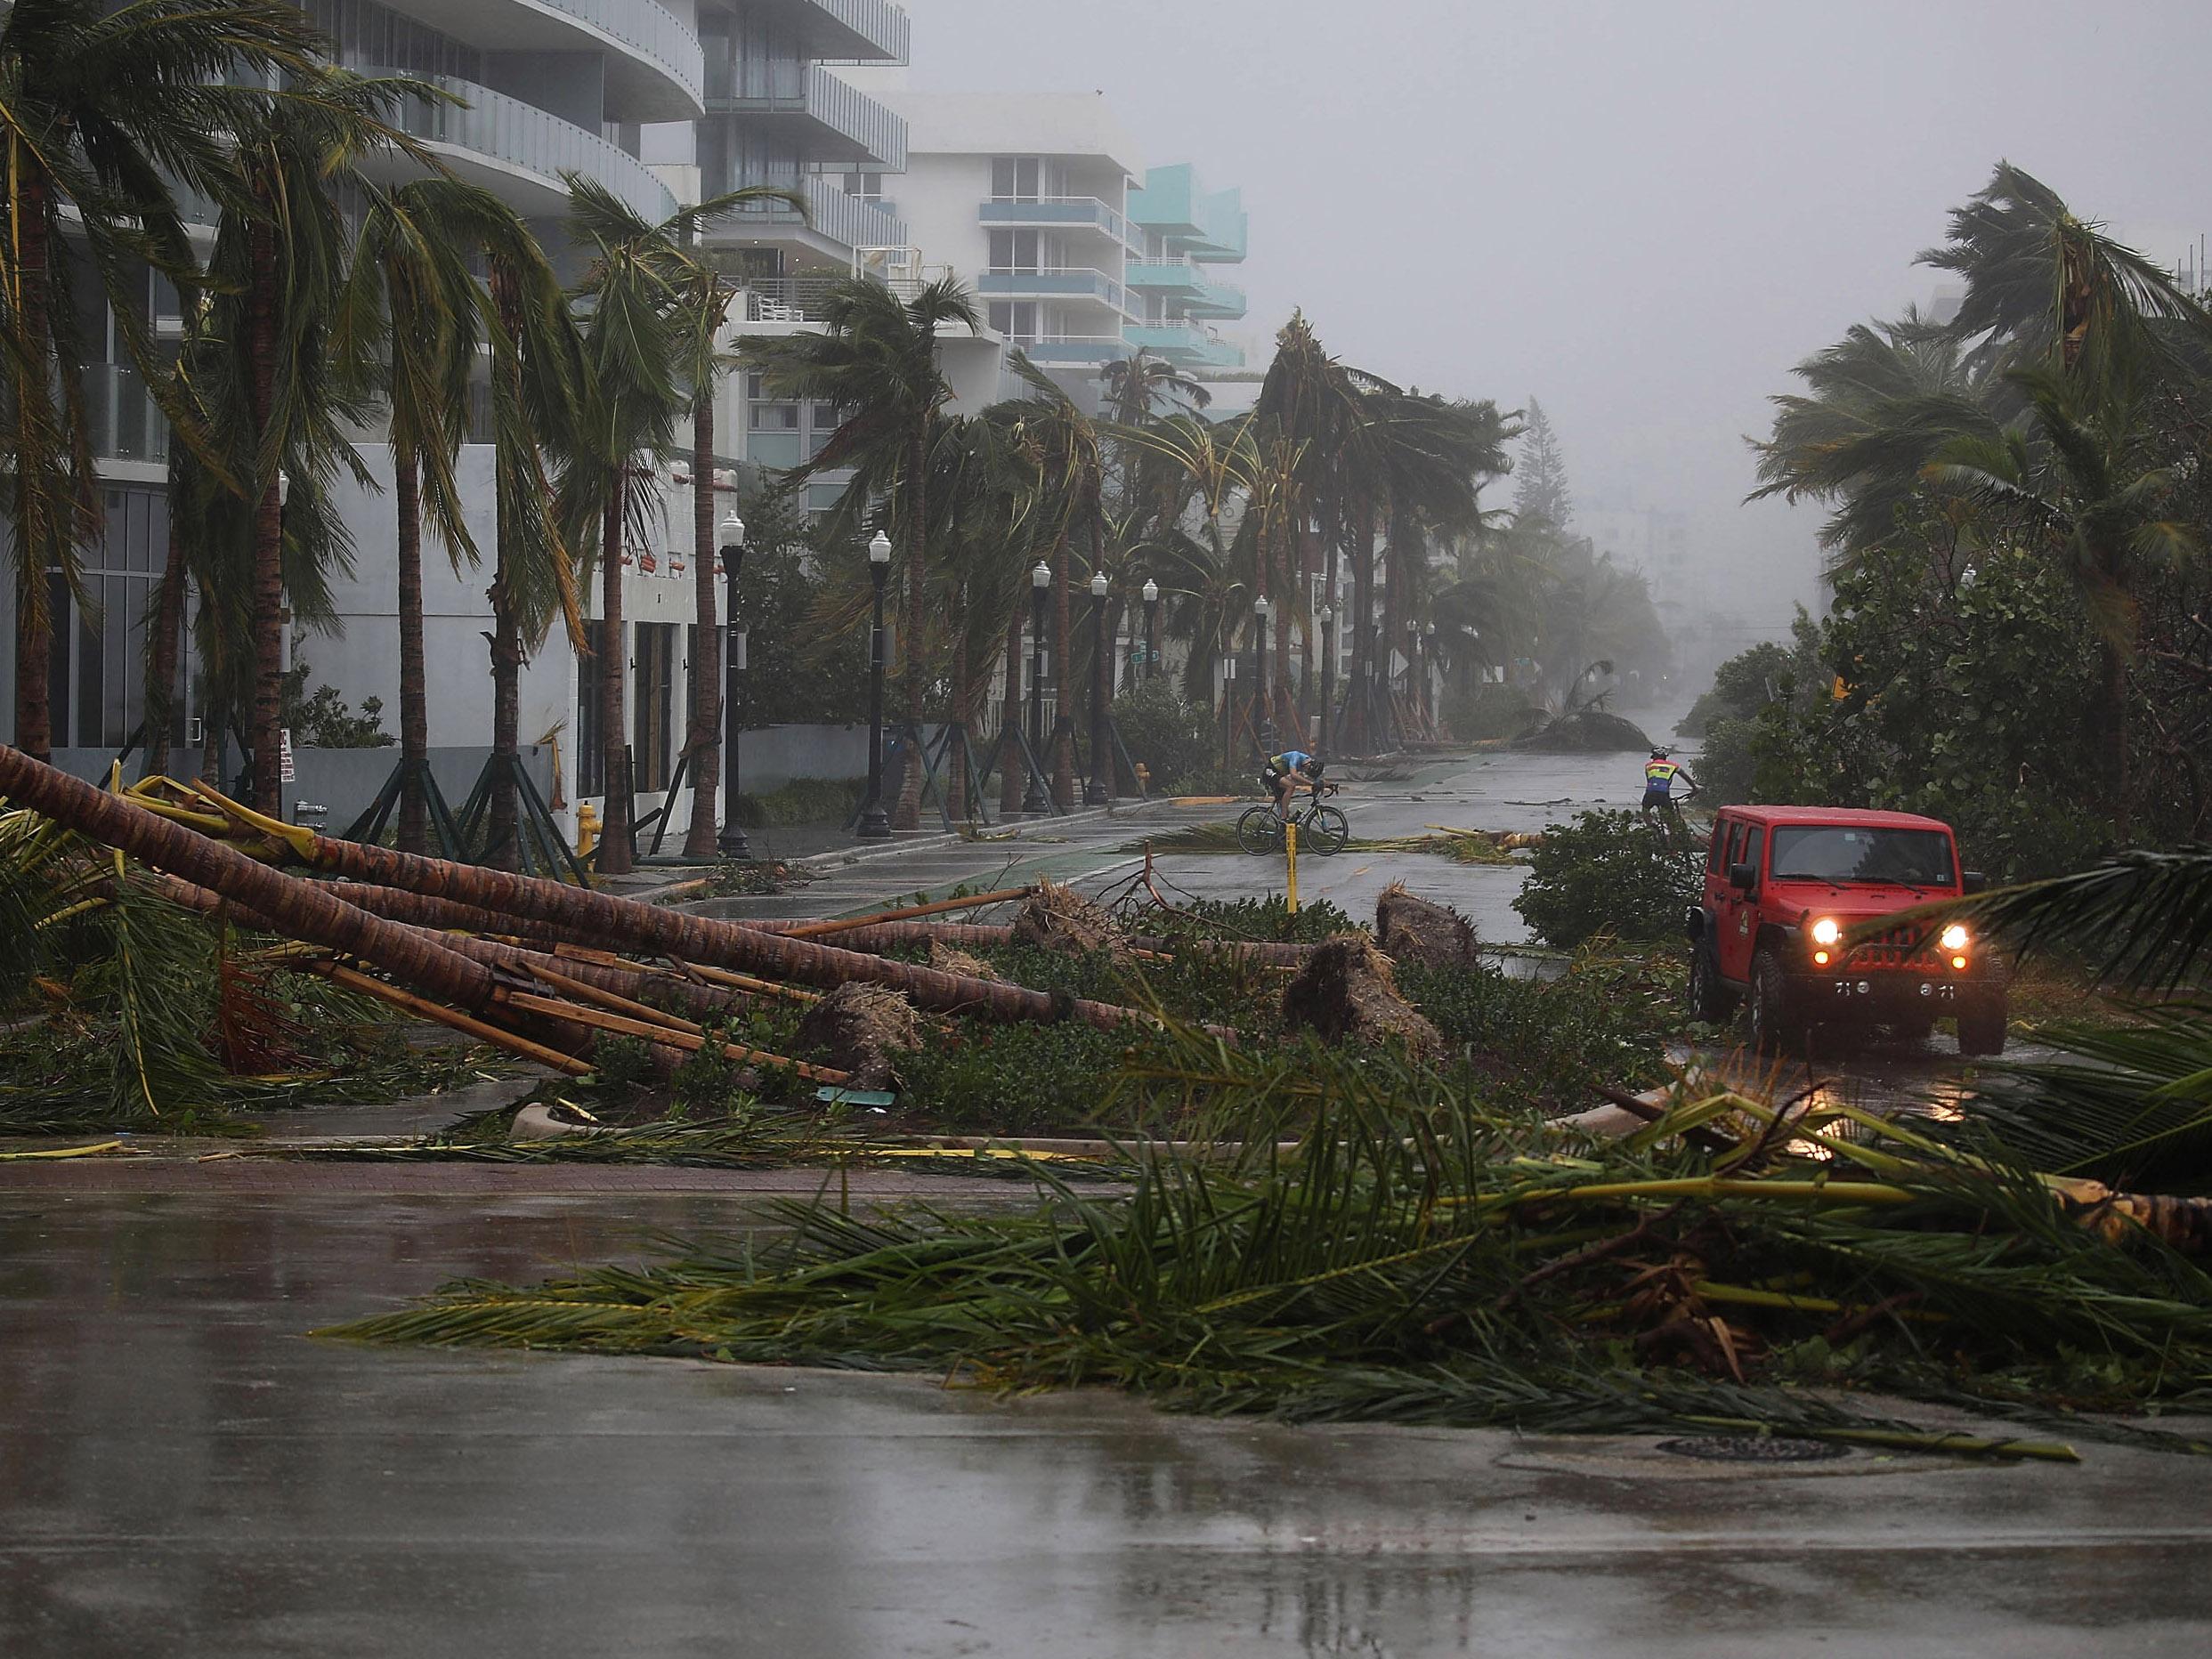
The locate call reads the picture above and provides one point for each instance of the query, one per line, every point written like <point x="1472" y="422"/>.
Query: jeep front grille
<point x="1900" y="947"/>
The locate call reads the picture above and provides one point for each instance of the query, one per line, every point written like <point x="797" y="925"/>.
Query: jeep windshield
<point x="1840" y="853"/>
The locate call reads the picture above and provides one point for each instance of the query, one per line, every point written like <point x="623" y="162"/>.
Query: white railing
<point x="1009" y="209"/>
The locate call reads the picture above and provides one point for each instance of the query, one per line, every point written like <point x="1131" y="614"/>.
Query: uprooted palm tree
<point x="876" y="358"/>
<point x="100" y="108"/>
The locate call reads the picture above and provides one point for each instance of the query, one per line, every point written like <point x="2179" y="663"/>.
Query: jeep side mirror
<point x="1971" y="881"/>
<point x="1743" y="878"/>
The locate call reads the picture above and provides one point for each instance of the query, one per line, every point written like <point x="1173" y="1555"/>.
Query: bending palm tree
<point x="877" y="357"/>
<point x="98" y="108"/>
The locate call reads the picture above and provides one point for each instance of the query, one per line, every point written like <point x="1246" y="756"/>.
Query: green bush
<point x="803" y="801"/>
<point x="1172" y="740"/>
<point x="1553" y="1043"/>
<point x="1606" y="873"/>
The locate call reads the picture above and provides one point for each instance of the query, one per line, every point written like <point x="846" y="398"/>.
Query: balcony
<point x="649" y="43"/>
<point x="1055" y="212"/>
<point x="835" y="223"/>
<point x="519" y="151"/>
<point x="1184" y="342"/>
<point x="1195" y="285"/>
<point x="1002" y="283"/>
<point x="864" y="31"/>
<point x="1172" y="204"/>
<point x="825" y="118"/>
<point x="1072" y="350"/>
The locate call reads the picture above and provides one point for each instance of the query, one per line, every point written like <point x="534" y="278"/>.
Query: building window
<point x="773" y="416"/>
<point x="1014" y="178"/>
<point x="1015" y="320"/>
<point x="864" y="187"/>
<point x="1014" y="250"/>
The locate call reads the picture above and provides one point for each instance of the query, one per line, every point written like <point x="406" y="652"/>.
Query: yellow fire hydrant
<point x="587" y="829"/>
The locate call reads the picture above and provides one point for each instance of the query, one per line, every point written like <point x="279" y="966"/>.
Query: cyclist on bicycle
<point x="1660" y="775"/>
<point x="1290" y="770"/>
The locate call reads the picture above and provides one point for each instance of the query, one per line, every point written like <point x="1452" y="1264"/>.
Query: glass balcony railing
<point x="1004" y="282"/>
<point x="126" y="426"/>
<point x="1065" y="349"/>
<point x="650" y="29"/>
<point x="867" y="131"/>
<point x="1055" y="213"/>
<point x="521" y="136"/>
<point x="847" y="221"/>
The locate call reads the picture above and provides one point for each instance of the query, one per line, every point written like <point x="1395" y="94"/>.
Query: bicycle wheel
<point x="1324" y="831"/>
<point x="1259" y="830"/>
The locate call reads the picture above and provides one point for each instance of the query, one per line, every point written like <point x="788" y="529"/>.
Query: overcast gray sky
<point x="1641" y="211"/>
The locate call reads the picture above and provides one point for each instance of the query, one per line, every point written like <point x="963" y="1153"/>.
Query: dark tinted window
<point x="1719" y="841"/>
<point x="1919" y="858"/>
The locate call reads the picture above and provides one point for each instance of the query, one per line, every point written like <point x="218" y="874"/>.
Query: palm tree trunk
<point x="1011" y="778"/>
<point x="304" y="909"/>
<point x="956" y="730"/>
<point x="34" y="618"/>
<point x="909" y="813"/>
<point x="614" y="846"/>
<point x="1359" y="723"/>
<point x="1333" y="531"/>
<point x="2112" y="716"/>
<point x="1064" y="677"/>
<point x="502" y="849"/>
<point x="268" y="589"/>
<point x="503" y="824"/>
<point x="414" y="827"/>
<point x="705" y="744"/>
<point x="161" y="664"/>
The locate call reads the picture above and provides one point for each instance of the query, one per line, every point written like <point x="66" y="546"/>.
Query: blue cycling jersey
<point x="1288" y="760"/>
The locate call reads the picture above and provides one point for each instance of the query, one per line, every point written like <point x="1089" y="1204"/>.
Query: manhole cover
<point x="1755" y="1449"/>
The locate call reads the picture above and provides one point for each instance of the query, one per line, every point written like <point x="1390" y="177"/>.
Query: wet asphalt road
<point x="183" y="1472"/>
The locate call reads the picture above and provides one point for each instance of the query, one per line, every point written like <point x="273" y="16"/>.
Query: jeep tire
<point x="1981" y="1026"/>
<point x="1772" y="1032"/>
<point x="1710" y="1001"/>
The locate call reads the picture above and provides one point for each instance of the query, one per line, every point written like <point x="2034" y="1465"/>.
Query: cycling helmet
<point x="1313" y="765"/>
<point x="1658" y="754"/>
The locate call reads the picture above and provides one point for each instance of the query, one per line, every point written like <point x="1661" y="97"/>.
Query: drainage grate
<point x="1755" y="1449"/>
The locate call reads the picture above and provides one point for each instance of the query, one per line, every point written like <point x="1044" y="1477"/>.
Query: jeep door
<point x="1735" y="913"/>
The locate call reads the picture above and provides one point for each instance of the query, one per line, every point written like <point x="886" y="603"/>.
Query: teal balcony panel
<point x="832" y="121"/>
<point x="1163" y="276"/>
<point x="1170" y="204"/>
<point x="1217" y="299"/>
<point x="1184" y="343"/>
<point x="1055" y="212"/>
<point x="1051" y="285"/>
<point x="1073" y="350"/>
<point x="520" y="145"/>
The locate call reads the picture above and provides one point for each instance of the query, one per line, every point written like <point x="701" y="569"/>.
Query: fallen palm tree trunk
<point x="869" y="934"/>
<point x="304" y="909"/>
<point x="295" y="908"/>
<point x="602" y="989"/>
<point x="811" y="930"/>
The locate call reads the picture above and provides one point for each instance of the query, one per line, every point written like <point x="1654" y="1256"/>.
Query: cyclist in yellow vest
<point x="1660" y="775"/>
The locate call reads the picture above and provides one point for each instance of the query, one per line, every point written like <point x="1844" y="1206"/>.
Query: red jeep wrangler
<point x="1787" y="893"/>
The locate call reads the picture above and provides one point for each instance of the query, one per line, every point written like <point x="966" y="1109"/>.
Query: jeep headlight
<point x="1827" y="930"/>
<point x="1955" y="937"/>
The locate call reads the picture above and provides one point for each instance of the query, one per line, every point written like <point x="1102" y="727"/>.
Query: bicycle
<point x="1673" y="828"/>
<point x="1320" y="829"/>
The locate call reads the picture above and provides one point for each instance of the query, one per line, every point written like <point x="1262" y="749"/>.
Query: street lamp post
<point x="875" y="823"/>
<point x="1328" y="678"/>
<point x="1429" y="671"/>
<point x="1263" y="726"/>
<point x="732" y="843"/>
<point x="1100" y="788"/>
<point x="1151" y="628"/>
<point x="1033" y="802"/>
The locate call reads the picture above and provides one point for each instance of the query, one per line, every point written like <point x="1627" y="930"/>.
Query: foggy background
<point x="1643" y="212"/>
